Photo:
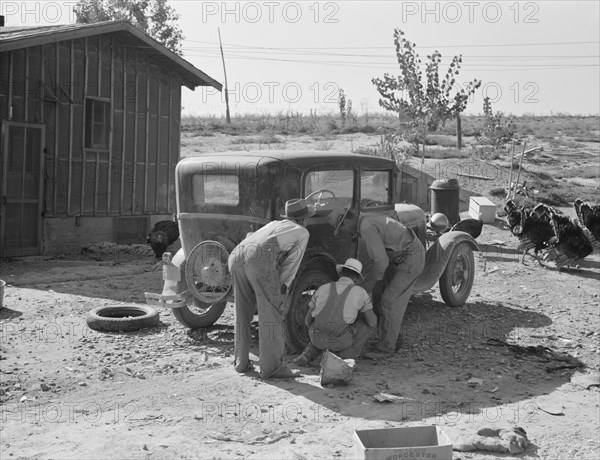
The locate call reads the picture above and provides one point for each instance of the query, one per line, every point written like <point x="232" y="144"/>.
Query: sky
<point x="533" y="57"/>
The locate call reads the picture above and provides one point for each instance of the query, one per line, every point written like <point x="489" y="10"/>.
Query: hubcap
<point x="206" y="272"/>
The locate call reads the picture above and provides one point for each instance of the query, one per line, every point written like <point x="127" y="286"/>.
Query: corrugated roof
<point x="25" y="36"/>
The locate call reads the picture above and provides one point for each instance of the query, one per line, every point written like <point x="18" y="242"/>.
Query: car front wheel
<point x="457" y="279"/>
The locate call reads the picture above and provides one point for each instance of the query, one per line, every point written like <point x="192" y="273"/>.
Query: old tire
<point x="121" y="318"/>
<point x="199" y="314"/>
<point x="296" y="332"/>
<point x="457" y="279"/>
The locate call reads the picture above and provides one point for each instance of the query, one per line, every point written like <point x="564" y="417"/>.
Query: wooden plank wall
<point x="50" y="83"/>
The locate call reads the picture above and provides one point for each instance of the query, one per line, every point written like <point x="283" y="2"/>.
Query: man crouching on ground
<point x="340" y="316"/>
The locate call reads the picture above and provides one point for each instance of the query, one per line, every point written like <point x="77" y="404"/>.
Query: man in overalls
<point x="396" y="257"/>
<point x="262" y="268"/>
<point x="340" y="316"/>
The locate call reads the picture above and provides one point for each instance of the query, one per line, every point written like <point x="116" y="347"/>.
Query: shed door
<point x="22" y="181"/>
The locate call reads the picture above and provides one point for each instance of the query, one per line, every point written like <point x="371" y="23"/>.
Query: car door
<point x="333" y="191"/>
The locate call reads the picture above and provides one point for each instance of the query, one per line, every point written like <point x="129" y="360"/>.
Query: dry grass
<point x="566" y="169"/>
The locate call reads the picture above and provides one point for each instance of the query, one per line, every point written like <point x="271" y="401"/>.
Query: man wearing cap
<point x="396" y="257"/>
<point x="340" y="316"/>
<point x="262" y="268"/>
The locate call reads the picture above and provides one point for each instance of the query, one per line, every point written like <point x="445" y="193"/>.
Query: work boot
<point x="302" y="360"/>
<point x="307" y="356"/>
<point x="283" y="372"/>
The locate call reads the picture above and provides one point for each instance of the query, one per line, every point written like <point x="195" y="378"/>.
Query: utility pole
<point x="225" y="74"/>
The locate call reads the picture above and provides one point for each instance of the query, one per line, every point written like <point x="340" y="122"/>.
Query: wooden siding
<point x="49" y="84"/>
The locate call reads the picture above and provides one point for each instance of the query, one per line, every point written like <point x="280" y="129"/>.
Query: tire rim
<point x="302" y="308"/>
<point x="460" y="274"/>
<point x="206" y="272"/>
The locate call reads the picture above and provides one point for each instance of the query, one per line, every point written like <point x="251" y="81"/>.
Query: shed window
<point x="97" y="124"/>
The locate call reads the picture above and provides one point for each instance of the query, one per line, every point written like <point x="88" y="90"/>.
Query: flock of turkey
<point x="558" y="238"/>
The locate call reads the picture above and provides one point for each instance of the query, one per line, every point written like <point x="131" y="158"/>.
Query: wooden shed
<point x="90" y="135"/>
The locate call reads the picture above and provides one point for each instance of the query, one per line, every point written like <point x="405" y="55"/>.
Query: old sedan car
<point x="222" y="197"/>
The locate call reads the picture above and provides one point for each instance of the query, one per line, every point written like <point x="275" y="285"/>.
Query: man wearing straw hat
<point x="340" y="316"/>
<point x="262" y="268"/>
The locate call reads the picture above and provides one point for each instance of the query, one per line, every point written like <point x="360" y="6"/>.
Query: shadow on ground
<point x="449" y="367"/>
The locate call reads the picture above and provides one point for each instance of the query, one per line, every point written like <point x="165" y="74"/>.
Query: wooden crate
<point x="483" y="209"/>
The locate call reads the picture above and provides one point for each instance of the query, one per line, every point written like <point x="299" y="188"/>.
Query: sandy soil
<point x="167" y="392"/>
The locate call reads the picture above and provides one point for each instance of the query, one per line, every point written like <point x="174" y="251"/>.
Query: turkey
<point x="471" y="226"/>
<point x="569" y="245"/>
<point x="162" y="235"/>
<point x="513" y="215"/>
<point x="589" y="221"/>
<point x="531" y="226"/>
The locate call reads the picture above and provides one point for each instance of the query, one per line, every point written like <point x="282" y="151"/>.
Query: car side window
<point x="375" y="188"/>
<point x="329" y="188"/>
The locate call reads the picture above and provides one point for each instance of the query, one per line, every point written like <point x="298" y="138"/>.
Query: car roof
<point x="301" y="158"/>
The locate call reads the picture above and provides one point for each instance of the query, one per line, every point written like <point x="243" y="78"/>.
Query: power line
<point x="465" y="66"/>
<point x="388" y="47"/>
<point x="374" y="56"/>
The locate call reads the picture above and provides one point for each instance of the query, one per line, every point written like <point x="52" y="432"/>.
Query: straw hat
<point x="351" y="264"/>
<point x="297" y="209"/>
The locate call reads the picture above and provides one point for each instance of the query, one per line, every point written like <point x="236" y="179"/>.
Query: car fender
<point x="179" y="259"/>
<point x="437" y="256"/>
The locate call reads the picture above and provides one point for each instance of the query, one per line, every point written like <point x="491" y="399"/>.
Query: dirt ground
<point x="167" y="392"/>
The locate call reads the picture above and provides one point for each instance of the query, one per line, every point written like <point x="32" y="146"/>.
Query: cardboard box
<point x="483" y="209"/>
<point x="411" y="443"/>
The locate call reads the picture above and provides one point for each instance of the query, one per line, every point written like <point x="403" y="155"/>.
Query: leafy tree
<point x="428" y="101"/>
<point x="154" y="17"/>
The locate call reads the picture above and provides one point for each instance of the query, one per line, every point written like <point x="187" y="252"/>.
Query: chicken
<point x="162" y="235"/>
<point x="471" y="226"/>
<point x="531" y="226"/>
<point x="569" y="244"/>
<point x="589" y="221"/>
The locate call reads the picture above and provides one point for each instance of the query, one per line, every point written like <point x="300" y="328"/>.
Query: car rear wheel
<point x="305" y="286"/>
<point x="208" y="281"/>
<point x="457" y="279"/>
<point x="198" y="314"/>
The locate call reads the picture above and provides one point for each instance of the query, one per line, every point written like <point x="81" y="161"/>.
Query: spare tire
<point x="117" y="318"/>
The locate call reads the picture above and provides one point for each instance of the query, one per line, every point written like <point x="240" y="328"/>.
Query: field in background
<point x="567" y="168"/>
